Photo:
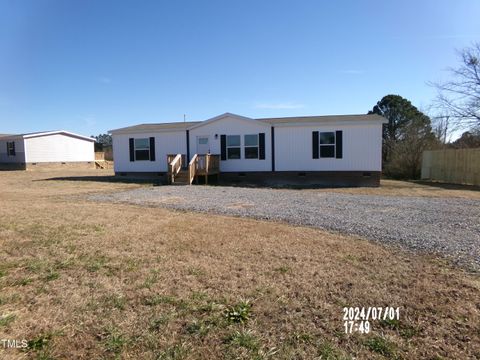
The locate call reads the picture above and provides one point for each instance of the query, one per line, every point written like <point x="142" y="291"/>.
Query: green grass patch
<point x="351" y="258"/>
<point x="98" y="228"/>
<point x="200" y="302"/>
<point x="132" y="264"/>
<point x="116" y="301"/>
<point x="245" y="339"/>
<point x="199" y="328"/>
<point x="63" y="264"/>
<point x="9" y="226"/>
<point x="282" y="269"/>
<point x="196" y="271"/>
<point x="11" y="299"/>
<point x="51" y="275"/>
<point x="166" y="299"/>
<point x="95" y="263"/>
<point x="198" y="296"/>
<point x="301" y="338"/>
<point x="381" y="346"/>
<point x="157" y="323"/>
<point x="408" y="332"/>
<point x="206" y="307"/>
<point x="405" y="331"/>
<point x="36" y="266"/>
<point x="174" y="352"/>
<point x="114" y="341"/>
<point x="150" y="280"/>
<point x="393" y="324"/>
<point x="23" y="282"/>
<point x="5" y="320"/>
<point x="40" y="342"/>
<point x="328" y="351"/>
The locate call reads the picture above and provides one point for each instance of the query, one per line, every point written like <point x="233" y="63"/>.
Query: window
<point x="327" y="144"/>
<point x="233" y="147"/>
<point x="251" y="146"/>
<point x="142" y="149"/>
<point x="11" y="148"/>
<point x="203" y="140"/>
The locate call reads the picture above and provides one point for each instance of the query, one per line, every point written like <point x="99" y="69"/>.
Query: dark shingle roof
<point x="157" y="126"/>
<point x="145" y="128"/>
<point x="322" y="118"/>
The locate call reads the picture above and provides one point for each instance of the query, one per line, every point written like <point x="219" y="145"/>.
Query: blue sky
<point x="90" y="66"/>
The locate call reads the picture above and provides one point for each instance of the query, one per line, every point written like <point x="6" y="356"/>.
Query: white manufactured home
<point x="51" y="148"/>
<point x="340" y="150"/>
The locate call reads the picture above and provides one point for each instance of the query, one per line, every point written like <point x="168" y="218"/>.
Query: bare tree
<point x="406" y="155"/>
<point x="443" y="127"/>
<point x="460" y="97"/>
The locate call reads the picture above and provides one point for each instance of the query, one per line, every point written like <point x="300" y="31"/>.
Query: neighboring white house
<point x="323" y="150"/>
<point x="25" y="151"/>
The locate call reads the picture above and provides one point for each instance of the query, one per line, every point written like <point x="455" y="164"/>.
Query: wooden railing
<point x="212" y="163"/>
<point x="170" y="158"/>
<point x="174" y="166"/>
<point x="202" y="165"/>
<point x="192" y="168"/>
<point x="99" y="155"/>
<point x="208" y="164"/>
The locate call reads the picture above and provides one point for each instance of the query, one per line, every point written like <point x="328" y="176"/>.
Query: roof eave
<point x="34" y="135"/>
<point x="224" y="115"/>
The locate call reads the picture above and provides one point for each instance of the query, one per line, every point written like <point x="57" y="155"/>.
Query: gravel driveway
<point x="449" y="226"/>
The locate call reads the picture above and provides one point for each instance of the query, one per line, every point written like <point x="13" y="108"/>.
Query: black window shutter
<point x="223" y="147"/>
<point x="152" y="149"/>
<point x="339" y="144"/>
<point x="132" y="149"/>
<point x="261" y="146"/>
<point x="13" y="148"/>
<point x="188" y="145"/>
<point x="315" y="145"/>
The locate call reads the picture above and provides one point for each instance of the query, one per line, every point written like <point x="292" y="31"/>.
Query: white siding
<point x="362" y="145"/>
<point x="234" y="126"/>
<point x="362" y="148"/>
<point x="58" y="148"/>
<point x="171" y="142"/>
<point x="19" y="151"/>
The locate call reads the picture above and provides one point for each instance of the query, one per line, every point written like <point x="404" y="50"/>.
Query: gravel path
<point x="448" y="226"/>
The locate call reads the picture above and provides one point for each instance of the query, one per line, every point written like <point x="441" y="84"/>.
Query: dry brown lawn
<point x="86" y="280"/>
<point x="405" y="188"/>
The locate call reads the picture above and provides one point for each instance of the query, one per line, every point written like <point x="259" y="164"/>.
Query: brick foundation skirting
<point x="304" y="178"/>
<point x="280" y="178"/>
<point x="12" y="166"/>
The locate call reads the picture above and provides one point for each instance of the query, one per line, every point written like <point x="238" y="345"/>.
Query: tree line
<point x="410" y="131"/>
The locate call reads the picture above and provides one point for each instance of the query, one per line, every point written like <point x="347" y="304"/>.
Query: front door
<point x="203" y="145"/>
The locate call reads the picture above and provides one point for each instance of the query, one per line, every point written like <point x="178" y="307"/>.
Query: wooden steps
<point x="180" y="173"/>
<point x="103" y="164"/>
<point x="181" y="178"/>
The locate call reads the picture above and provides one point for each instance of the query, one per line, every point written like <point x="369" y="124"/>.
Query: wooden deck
<point x="181" y="173"/>
<point x="101" y="162"/>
